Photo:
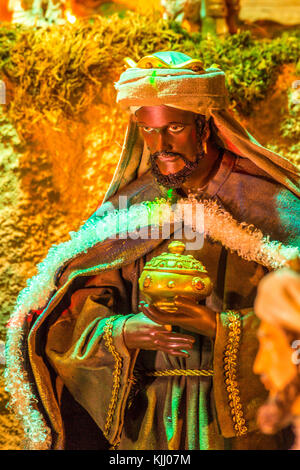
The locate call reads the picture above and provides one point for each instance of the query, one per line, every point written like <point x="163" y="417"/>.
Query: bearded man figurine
<point x="277" y="362"/>
<point x="91" y="365"/>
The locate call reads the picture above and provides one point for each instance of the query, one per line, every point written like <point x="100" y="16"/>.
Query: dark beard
<point x="174" y="180"/>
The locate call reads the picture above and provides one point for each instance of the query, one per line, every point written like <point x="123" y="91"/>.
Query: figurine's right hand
<point x="142" y="333"/>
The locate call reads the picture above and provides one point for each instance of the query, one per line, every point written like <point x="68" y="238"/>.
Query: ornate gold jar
<point x="171" y="274"/>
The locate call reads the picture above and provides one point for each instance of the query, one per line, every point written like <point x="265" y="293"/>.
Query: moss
<point x="251" y="66"/>
<point x="290" y="126"/>
<point x="62" y="70"/>
<point x="290" y="130"/>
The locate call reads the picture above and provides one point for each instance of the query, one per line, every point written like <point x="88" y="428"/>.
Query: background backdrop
<point x="61" y="131"/>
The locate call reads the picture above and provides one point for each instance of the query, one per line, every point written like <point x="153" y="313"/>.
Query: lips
<point x="168" y="158"/>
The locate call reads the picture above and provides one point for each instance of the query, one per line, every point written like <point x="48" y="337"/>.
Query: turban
<point x="175" y="79"/>
<point x="193" y="89"/>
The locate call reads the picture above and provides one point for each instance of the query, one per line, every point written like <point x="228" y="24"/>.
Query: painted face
<point x="171" y="136"/>
<point x="274" y="358"/>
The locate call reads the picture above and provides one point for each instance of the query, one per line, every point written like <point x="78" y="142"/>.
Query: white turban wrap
<point x="174" y="79"/>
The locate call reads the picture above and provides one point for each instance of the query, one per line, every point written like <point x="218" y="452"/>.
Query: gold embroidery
<point x="187" y="372"/>
<point x="230" y="373"/>
<point x="107" y="336"/>
<point x="115" y="446"/>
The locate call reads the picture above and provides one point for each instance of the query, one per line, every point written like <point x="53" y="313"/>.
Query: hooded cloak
<point x="174" y="79"/>
<point x="168" y="78"/>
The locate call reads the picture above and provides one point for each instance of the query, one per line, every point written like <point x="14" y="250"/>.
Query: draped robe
<point x="96" y="394"/>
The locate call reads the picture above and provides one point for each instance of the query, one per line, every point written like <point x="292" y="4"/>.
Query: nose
<point x="162" y="142"/>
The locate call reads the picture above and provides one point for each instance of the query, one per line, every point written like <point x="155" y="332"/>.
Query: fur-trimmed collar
<point x="247" y="241"/>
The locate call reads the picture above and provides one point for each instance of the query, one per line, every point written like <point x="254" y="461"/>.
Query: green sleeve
<point x="88" y="353"/>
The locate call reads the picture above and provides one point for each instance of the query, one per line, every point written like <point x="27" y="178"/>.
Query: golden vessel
<point x="171" y="274"/>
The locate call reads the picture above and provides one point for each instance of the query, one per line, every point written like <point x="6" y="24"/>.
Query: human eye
<point x="147" y="129"/>
<point x="175" y="128"/>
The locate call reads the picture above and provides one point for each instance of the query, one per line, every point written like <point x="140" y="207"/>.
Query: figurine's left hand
<point x="190" y="316"/>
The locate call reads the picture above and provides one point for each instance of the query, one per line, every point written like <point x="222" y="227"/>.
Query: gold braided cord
<point x="107" y="336"/>
<point x="230" y="366"/>
<point x="186" y="372"/>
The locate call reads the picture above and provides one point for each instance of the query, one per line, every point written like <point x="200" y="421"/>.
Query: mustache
<point x="165" y="153"/>
<point x="173" y="180"/>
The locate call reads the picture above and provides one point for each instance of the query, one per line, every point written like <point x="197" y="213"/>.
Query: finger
<point x="179" y="345"/>
<point x="166" y="306"/>
<point x="174" y="352"/>
<point x="173" y="344"/>
<point x="144" y="314"/>
<point x="160" y="316"/>
<point x="142" y="303"/>
<point x="179" y="353"/>
<point x="172" y="319"/>
<point x="184" y="306"/>
<point x="158" y="311"/>
<point x="150" y="313"/>
<point x="170" y="335"/>
<point x="178" y="299"/>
